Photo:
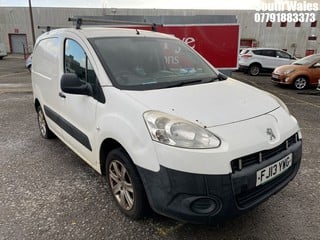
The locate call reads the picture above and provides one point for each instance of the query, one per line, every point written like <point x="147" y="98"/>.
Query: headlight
<point x="170" y="130"/>
<point x="289" y="71"/>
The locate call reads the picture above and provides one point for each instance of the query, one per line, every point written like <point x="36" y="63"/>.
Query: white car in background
<point x="3" y="51"/>
<point x="257" y="60"/>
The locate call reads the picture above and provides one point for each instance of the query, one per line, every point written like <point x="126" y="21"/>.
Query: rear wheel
<point x="254" y="70"/>
<point x="43" y="126"/>
<point x="300" y="83"/>
<point x="125" y="184"/>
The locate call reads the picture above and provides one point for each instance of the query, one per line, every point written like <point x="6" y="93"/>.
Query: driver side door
<point x="79" y="111"/>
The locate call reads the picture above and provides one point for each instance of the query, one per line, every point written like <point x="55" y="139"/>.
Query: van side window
<point x="76" y="61"/>
<point x="46" y="52"/>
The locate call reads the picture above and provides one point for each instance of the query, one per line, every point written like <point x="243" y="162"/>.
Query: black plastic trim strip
<point x="68" y="127"/>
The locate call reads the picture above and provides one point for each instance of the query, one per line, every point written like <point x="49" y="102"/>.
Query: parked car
<point x="29" y="62"/>
<point x="3" y="51"/>
<point x="257" y="60"/>
<point x="165" y="127"/>
<point x="301" y="73"/>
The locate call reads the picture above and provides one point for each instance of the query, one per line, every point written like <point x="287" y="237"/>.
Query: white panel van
<point x="164" y="126"/>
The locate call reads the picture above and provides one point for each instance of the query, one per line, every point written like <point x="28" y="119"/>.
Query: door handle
<point x="62" y="95"/>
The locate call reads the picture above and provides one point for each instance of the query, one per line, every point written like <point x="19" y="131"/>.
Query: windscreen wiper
<point x="222" y="77"/>
<point x="184" y="83"/>
<point x="219" y="77"/>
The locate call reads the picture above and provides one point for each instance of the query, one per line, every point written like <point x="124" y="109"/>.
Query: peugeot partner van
<point x="164" y="126"/>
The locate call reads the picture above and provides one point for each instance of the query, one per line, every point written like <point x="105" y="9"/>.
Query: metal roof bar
<point x="80" y="21"/>
<point x="47" y="28"/>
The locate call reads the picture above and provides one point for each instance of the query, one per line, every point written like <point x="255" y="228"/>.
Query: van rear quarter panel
<point x="45" y="74"/>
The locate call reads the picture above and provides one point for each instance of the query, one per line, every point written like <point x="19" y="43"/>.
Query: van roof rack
<point x="47" y="28"/>
<point x="79" y="21"/>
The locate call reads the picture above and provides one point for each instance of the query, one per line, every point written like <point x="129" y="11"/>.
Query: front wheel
<point x="300" y="83"/>
<point x="125" y="184"/>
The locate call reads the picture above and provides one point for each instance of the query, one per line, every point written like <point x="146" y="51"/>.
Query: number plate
<point x="275" y="76"/>
<point x="266" y="174"/>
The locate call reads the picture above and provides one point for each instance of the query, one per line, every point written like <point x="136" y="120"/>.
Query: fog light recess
<point x="203" y="205"/>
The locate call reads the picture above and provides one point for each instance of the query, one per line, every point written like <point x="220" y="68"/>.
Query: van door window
<point x="76" y="61"/>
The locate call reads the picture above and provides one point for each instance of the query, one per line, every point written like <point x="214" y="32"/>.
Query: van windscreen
<point x="141" y="63"/>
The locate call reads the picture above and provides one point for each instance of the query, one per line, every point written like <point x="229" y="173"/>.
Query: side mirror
<point x="71" y="83"/>
<point x="222" y="76"/>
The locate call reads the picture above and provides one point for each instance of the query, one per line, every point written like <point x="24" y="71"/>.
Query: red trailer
<point x="217" y="43"/>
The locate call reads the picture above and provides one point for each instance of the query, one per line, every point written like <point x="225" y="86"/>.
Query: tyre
<point x="125" y="184"/>
<point x="300" y="83"/>
<point x="254" y="70"/>
<point x="43" y="126"/>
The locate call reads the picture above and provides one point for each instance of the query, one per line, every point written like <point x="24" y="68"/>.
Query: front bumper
<point x="207" y="199"/>
<point x="281" y="79"/>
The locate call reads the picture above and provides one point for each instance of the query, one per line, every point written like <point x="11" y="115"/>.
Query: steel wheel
<point x="300" y="83"/>
<point x="121" y="185"/>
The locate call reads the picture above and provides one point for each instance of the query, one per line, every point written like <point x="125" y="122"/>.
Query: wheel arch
<point x="255" y="63"/>
<point x="303" y="75"/>
<point x="106" y="147"/>
<point x="130" y="133"/>
<point x="36" y="103"/>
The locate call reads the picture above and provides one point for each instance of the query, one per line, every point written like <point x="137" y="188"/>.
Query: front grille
<point x="245" y="199"/>
<point x="246" y="161"/>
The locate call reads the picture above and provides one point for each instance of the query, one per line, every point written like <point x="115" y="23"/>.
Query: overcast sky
<point x="166" y="4"/>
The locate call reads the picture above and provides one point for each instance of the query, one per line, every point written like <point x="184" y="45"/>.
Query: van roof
<point x="263" y="48"/>
<point x="92" y="32"/>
